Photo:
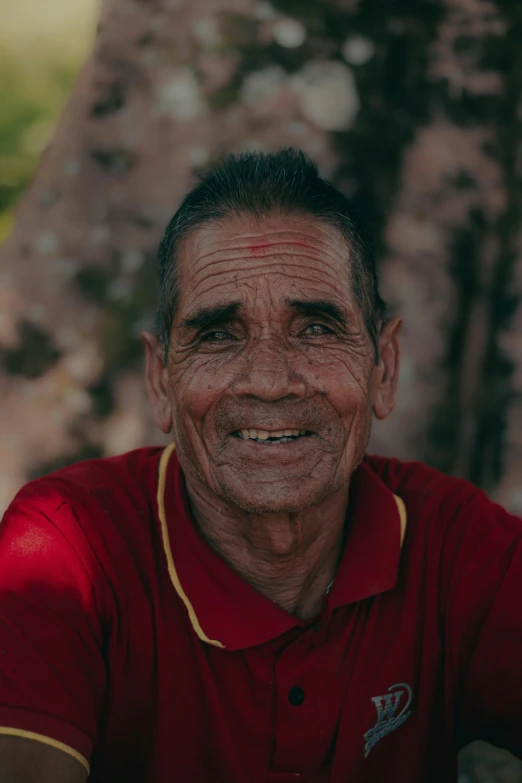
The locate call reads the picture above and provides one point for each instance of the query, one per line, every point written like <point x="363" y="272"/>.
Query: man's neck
<point x="291" y="558"/>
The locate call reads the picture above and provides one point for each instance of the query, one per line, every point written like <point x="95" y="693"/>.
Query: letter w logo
<point x="387" y="718"/>
<point x="387" y="705"/>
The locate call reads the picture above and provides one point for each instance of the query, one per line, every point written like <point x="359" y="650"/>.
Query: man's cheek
<point x="190" y="442"/>
<point x="193" y="388"/>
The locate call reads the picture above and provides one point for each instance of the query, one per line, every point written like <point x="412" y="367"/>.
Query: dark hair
<point x="259" y="184"/>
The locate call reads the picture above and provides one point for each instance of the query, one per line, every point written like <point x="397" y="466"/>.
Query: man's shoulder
<point x="437" y="501"/>
<point x="423" y="487"/>
<point x="124" y="482"/>
<point x="95" y="518"/>
<point x="413" y="476"/>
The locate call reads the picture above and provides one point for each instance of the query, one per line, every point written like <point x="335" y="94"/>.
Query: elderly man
<point x="261" y="601"/>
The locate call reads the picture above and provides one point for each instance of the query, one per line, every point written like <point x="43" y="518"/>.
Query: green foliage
<point x="32" y="96"/>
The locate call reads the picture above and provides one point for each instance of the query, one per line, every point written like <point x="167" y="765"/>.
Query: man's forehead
<point x="250" y="234"/>
<point x="284" y="256"/>
<point x="246" y="262"/>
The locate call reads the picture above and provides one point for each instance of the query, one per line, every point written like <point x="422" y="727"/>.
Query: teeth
<point x="265" y="434"/>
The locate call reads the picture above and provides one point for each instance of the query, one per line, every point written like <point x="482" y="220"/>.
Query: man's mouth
<point x="271" y="437"/>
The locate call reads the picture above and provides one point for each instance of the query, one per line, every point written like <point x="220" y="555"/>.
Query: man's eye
<point x="318" y="330"/>
<point x="216" y="337"/>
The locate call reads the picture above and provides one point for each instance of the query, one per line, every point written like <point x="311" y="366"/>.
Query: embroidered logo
<point x="387" y="718"/>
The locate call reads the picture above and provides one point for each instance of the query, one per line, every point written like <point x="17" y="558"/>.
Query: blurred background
<point x="413" y="108"/>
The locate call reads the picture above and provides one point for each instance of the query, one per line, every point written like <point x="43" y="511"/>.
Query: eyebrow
<point x="205" y="317"/>
<point x="314" y="307"/>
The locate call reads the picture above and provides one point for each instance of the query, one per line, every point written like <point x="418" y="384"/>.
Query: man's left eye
<point x="317" y="330"/>
<point x="216" y="337"/>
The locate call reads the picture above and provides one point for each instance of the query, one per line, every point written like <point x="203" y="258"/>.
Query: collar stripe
<point x="162" y="480"/>
<point x="401" y="508"/>
<point x="31" y="735"/>
<point x="163" y="465"/>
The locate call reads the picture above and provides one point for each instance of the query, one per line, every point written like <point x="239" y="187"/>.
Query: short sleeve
<point x="52" y="670"/>
<point x="482" y="572"/>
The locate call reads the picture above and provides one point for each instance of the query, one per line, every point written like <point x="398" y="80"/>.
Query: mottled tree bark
<point x="411" y="107"/>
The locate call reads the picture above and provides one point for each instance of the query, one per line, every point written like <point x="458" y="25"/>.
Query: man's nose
<point x="269" y="375"/>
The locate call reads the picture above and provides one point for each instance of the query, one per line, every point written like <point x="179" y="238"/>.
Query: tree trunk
<point x="412" y="108"/>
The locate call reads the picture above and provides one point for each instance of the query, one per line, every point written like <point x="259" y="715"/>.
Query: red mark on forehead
<point x="259" y="249"/>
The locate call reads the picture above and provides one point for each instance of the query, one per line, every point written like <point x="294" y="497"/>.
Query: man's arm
<point x="27" y="761"/>
<point x="482" y="574"/>
<point x="52" y="668"/>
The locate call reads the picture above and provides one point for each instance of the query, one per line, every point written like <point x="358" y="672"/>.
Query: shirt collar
<point x="225" y="610"/>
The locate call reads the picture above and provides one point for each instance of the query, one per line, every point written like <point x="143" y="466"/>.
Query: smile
<point x="267" y="437"/>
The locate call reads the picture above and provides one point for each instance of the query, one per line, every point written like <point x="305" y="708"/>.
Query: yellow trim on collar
<point x="46" y="741"/>
<point x="164" y="461"/>
<point x="401" y="508"/>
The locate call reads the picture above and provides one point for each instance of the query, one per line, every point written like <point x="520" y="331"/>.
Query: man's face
<point x="268" y="338"/>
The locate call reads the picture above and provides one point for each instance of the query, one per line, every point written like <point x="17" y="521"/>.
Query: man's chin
<point x="272" y="500"/>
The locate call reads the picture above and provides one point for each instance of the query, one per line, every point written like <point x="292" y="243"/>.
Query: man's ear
<point x="156" y="382"/>
<point x="386" y="373"/>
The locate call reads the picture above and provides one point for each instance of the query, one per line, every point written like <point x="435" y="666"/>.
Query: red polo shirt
<point x="127" y="642"/>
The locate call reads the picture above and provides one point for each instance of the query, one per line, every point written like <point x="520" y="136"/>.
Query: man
<point x="264" y="602"/>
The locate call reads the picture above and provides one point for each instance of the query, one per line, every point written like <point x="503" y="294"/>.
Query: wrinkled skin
<point x="270" y="366"/>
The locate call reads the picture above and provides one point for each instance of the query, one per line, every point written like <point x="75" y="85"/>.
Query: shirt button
<point x="296" y="696"/>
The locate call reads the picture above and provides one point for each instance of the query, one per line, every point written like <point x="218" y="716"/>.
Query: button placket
<point x="297" y="713"/>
